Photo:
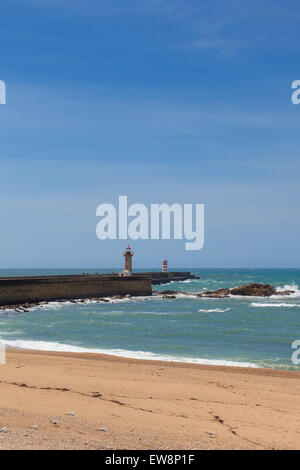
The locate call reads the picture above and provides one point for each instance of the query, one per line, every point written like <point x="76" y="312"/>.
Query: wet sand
<point x="118" y="403"/>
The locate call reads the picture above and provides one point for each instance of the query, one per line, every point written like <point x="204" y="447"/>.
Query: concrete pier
<point x="20" y="290"/>
<point x="158" y="277"/>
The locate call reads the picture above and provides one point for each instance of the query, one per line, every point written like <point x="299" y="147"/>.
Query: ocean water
<point x="255" y="332"/>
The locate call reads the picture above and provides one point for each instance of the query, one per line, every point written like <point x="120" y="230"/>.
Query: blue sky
<point x="162" y="100"/>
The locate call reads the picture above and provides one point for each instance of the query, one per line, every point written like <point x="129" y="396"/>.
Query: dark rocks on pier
<point x="24" y="308"/>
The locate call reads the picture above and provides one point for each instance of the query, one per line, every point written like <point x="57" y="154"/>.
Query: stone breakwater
<point x="16" y="291"/>
<point x="159" y="278"/>
<point x="249" y="290"/>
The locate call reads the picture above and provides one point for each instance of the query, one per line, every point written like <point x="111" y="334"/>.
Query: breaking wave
<point x="67" y="303"/>
<point x="214" y="310"/>
<point x="292" y="287"/>
<point x="281" y="305"/>
<point x="58" y="347"/>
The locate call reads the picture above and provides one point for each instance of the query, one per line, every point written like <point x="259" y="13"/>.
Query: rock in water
<point x="251" y="290"/>
<point x="217" y="294"/>
<point x="257" y="290"/>
<point x="169" y="292"/>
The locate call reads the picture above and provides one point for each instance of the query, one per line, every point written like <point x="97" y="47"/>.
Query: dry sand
<point x="128" y="404"/>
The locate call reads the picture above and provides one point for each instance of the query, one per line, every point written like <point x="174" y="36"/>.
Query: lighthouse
<point x="128" y="254"/>
<point x="128" y="259"/>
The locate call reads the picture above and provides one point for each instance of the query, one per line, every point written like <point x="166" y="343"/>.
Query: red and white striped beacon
<point x="165" y="266"/>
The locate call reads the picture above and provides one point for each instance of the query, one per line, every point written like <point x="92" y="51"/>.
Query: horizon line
<point x="150" y="267"/>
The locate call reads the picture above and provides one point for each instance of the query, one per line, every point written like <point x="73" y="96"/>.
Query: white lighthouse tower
<point x="128" y="254"/>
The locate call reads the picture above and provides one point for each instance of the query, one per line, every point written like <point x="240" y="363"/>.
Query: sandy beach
<point x="87" y="401"/>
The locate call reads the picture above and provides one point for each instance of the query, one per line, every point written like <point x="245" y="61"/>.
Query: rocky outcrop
<point x="257" y="290"/>
<point x="170" y="292"/>
<point x="251" y="290"/>
<point x="219" y="294"/>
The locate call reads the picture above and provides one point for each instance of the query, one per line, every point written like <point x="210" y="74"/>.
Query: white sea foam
<point x="214" y="310"/>
<point x="49" y="346"/>
<point x="67" y="303"/>
<point x="186" y="281"/>
<point x="281" y="305"/>
<point x="287" y="287"/>
<point x="44" y="306"/>
<point x="187" y="296"/>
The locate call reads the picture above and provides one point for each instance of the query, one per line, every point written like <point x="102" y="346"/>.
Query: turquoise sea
<point x="232" y="331"/>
